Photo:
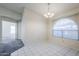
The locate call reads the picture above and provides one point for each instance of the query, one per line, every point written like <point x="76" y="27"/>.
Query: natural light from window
<point x="66" y="28"/>
<point x="9" y="31"/>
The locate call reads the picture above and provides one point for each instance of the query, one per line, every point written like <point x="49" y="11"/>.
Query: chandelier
<point x="49" y="14"/>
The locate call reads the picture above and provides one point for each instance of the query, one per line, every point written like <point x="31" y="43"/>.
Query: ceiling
<point x="41" y="8"/>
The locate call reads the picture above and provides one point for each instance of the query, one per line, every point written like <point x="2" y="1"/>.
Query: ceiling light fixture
<point x="49" y="14"/>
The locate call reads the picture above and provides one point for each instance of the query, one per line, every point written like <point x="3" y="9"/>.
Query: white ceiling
<point x="41" y="8"/>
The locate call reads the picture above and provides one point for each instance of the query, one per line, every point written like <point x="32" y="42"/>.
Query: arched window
<point x="66" y="28"/>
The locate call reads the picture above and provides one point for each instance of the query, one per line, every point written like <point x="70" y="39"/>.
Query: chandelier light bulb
<point x="49" y="15"/>
<point x="45" y="15"/>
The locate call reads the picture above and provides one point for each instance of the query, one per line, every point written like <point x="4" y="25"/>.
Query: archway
<point x="66" y="28"/>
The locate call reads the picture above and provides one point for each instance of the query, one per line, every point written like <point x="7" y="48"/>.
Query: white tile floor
<point x="45" y="50"/>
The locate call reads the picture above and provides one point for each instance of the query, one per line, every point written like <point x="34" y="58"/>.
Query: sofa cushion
<point x="13" y="46"/>
<point x="4" y="54"/>
<point x="2" y="47"/>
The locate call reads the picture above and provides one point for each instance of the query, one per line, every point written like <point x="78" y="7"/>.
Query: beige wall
<point x="34" y="27"/>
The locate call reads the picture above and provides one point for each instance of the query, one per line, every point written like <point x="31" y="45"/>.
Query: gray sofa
<point x="7" y="48"/>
